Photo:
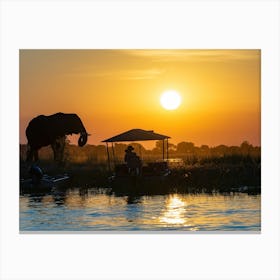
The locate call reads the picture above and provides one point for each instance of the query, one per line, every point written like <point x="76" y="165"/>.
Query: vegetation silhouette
<point x="52" y="130"/>
<point x="193" y="169"/>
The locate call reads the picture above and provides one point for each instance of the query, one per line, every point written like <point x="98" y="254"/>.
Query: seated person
<point x="36" y="174"/>
<point x="133" y="161"/>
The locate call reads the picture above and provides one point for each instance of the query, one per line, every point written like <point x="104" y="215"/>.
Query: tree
<point x="245" y="147"/>
<point x="185" y="148"/>
<point x="119" y="150"/>
<point x="158" y="147"/>
<point x="221" y="150"/>
<point x="204" y="150"/>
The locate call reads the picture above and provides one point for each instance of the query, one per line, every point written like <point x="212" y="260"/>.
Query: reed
<point x="197" y="175"/>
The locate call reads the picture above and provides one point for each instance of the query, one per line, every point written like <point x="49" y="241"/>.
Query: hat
<point x="129" y="148"/>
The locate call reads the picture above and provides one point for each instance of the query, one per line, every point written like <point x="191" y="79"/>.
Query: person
<point x="133" y="161"/>
<point x="36" y="174"/>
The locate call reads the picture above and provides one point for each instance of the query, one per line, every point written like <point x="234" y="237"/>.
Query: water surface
<point x="94" y="210"/>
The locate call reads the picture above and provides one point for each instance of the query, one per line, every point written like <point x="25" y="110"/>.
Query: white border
<point x="139" y="24"/>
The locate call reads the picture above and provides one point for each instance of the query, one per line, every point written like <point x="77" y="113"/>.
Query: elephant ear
<point x="83" y="139"/>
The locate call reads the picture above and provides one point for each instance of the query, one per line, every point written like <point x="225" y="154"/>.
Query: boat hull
<point x="47" y="184"/>
<point x="140" y="184"/>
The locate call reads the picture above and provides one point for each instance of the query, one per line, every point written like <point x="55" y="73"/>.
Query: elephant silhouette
<point x="52" y="130"/>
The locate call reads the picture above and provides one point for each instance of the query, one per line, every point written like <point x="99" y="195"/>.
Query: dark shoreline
<point x="207" y="178"/>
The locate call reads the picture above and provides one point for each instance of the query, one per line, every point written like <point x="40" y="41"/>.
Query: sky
<point x="117" y="90"/>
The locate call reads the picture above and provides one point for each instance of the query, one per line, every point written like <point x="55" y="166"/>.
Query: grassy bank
<point x="221" y="174"/>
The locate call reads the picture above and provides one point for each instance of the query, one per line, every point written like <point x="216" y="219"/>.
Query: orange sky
<point x="116" y="90"/>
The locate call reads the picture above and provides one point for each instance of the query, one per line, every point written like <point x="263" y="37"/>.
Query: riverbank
<point x="220" y="177"/>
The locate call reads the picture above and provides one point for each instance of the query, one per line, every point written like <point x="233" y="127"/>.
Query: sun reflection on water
<point x="100" y="211"/>
<point x="175" y="212"/>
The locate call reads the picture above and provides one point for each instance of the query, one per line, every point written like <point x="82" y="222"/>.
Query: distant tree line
<point x="186" y="151"/>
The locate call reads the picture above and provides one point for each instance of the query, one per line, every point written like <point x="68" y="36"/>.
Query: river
<point x="96" y="210"/>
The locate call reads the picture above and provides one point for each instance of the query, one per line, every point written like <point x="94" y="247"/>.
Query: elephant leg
<point x="55" y="151"/>
<point x="58" y="148"/>
<point x="62" y="147"/>
<point x="36" y="155"/>
<point x="29" y="153"/>
<point x="29" y="156"/>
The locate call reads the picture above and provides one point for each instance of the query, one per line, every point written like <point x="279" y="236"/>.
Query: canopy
<point x="137" y="135"/>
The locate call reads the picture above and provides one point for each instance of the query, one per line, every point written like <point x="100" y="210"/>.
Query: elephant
<point x="52" y="130"/>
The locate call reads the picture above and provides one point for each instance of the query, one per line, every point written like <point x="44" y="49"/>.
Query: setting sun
<point x="170" y="100"/>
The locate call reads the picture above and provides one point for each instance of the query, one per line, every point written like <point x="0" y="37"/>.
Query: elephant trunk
<point x="83" y="139"/>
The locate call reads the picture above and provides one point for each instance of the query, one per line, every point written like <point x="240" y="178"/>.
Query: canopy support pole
<point x="114" y="158"/>
<point x="163" y="149"/>
<point x="108" y="157"/>
<point x="167" y="148"/>
<point x="140" y="152"/>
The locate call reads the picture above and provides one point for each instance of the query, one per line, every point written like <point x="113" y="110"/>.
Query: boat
<point x="44" y="185"/>
<point x="152" y="176"/>
<point x="147" y="182"/>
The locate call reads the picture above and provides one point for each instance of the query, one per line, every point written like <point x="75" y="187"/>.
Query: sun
<point x="170" y="100"/>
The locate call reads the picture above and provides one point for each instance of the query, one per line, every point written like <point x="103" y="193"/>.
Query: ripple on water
<point x="100" y="211"/>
